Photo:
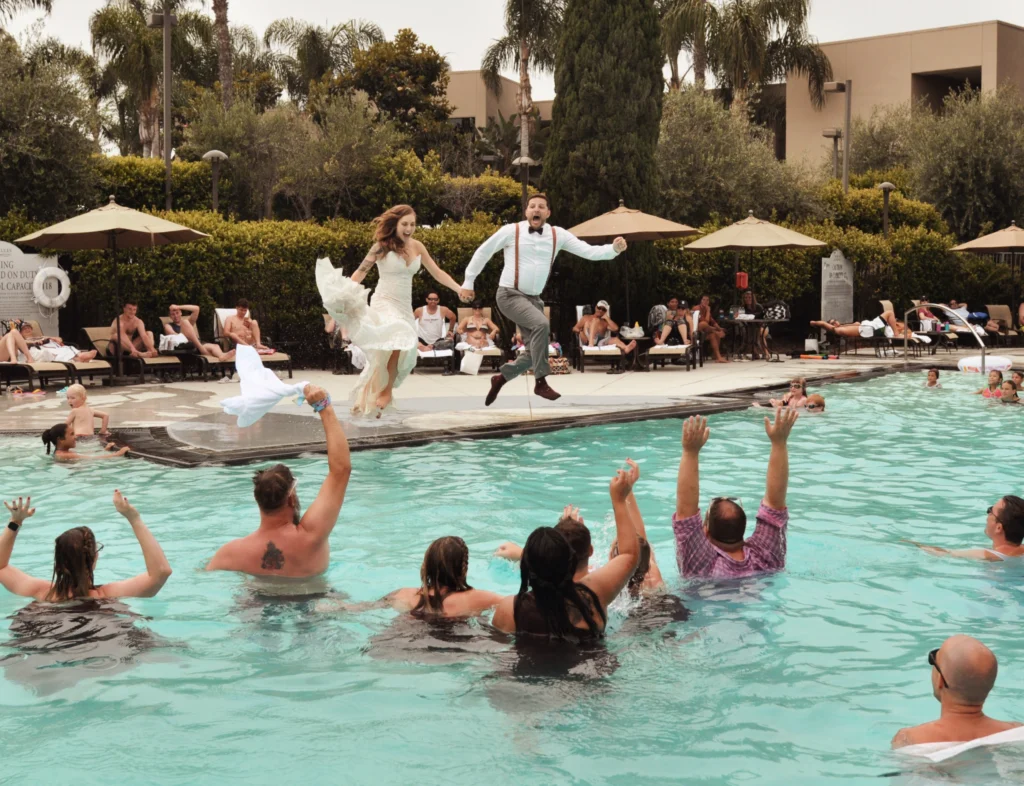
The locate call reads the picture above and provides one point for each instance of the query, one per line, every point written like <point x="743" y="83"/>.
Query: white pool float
<point x="992" y="363"/>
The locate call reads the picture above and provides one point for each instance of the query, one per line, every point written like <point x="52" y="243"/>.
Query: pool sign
<point x="837" y="287"/>
<point x="17" y="272"/>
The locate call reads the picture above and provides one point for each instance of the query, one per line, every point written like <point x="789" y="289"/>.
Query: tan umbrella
<point x="1004" y="241"/>
<point x="752" y="233"/>
<point x="632" y="225"/>
<point x="111" y="227"/>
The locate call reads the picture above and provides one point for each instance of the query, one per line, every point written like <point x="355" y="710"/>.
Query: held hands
<point x="778" y="432"/>
<point x="619" y="244"/>
<point x="508" y="550"/>
<point x="20" y="510"/>
<point x="314" y="394"/>
<point x="124" y="507"/>
<point x="466" y="295"/>
<point x="622" y="484"/>
<point x="695" y="433"/>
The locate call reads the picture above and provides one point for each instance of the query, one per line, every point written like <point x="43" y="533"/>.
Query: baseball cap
<point x="603" y="304"/>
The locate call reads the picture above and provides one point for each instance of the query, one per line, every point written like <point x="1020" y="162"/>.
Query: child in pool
<point x="1018" y="379"/>
<point x="63" y="439"/>
<point x="796" y="397"/>
<point x="993" y="390"/>
<point x="1010" y="393"/>
<point x="933" y="379"/>
<point x="81" y="417"/>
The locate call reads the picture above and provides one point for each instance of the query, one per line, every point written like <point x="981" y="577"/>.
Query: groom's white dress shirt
<point x="536" y="253"/>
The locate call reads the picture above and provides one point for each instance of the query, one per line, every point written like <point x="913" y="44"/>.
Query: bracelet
<point x="321" y="406"/>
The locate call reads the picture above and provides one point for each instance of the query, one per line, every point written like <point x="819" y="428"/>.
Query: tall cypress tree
<point x="605" y="119"/>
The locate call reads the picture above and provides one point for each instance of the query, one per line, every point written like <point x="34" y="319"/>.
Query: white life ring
<point x="39" y="284"/>
<point x="992" y="363"/>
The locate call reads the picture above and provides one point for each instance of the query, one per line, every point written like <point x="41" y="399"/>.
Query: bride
<point x="386" y="331"/>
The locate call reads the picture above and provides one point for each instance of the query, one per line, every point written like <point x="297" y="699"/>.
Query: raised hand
<point x="622" y="484"/>
<point x="619" y="244"/>
<point x="124" y="507"/>
<point x="572" y="513"/>
<point x="20" y="509"/>
<point x="778" y="432"/>
<point x="695" y="433"/>
<point x="633" y="472"/>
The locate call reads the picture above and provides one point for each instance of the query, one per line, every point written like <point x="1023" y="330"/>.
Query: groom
<point x="530" y="248"/>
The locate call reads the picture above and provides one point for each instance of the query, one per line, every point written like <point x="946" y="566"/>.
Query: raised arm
<point x="653" y="572"/>
<point x="483" y="254"/>
<point x="439" y="275"/>
<point x="778" y="461"/>
<point x="14" y="580"/>
<point x="158" y="570"/>
<point x="367" y="264"/>
<point x="695" y="435"/>
<point x="322" y="515"/>
<point x="608" y="580"/>
<point x="569" y="242"/>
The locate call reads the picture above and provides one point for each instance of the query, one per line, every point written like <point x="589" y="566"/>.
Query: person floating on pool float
<point x="715" y="547"/>
<point x="288" y="542"/>
<point x="74" y="560"/>
<point x="62" y="437"/>
<point x="963" y="674"/>
<point x="1010" y="392"/>
<point x="994" y="388"/>
<point x="933" y="379"/>
<point x="1005" y="528"/>
<point x="530" y="248"/>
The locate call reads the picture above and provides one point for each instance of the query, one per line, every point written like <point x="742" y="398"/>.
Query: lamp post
<point x="835" y="134"/>
<point x="847" y="88"/>
<point x="524" y="163"/>
<point x="215" y="157"/>
<point x="166" y="22"/>
<point x="886" y="188"/>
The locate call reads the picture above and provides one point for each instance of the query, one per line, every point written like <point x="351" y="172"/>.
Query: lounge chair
<point x="436" y="357"/>
<point x="607" y="354"/>
<point x="494" y="354"/>
<point x="342" y="355"/>
<point x="202" y="364"/>
<point x="691" y="353"/>
<point x="12" y="369"/>
<point x="162" y="365"/>
<point x="1004" y="317"/>
<point x="97" y="367"/>
<point x="220" y="316"/>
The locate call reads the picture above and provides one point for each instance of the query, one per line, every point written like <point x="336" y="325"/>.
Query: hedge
<point x="863" y="208"/>
<point x="139" y="183"/>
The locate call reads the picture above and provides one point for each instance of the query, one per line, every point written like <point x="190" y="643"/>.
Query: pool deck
<point x="181" y="423"/>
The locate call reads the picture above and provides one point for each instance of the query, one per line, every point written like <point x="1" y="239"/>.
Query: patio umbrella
<point x="1005" y="241"/>
<point x="752" y="233"/>
<point x="111" y="227"/>
<point x="632" y="225"/>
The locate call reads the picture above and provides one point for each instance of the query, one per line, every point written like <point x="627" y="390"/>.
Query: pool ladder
<point x="951" y="312"/>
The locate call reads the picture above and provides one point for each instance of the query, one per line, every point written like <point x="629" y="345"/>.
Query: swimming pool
<point x="801" y="677"/>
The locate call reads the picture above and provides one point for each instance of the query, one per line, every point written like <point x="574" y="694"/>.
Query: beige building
<point x="896" y="69"/>
<point x="473" y="104"/>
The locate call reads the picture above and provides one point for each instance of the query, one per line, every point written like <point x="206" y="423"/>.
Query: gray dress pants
<point x="527" y="311"/>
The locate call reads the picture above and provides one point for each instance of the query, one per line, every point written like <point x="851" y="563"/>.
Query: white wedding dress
<point x="379" y="329"/>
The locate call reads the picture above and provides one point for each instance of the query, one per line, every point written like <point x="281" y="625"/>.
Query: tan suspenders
<point x="554" y="246"/>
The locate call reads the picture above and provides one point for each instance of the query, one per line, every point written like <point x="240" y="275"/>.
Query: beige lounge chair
<point x="1004" y="317"/>
<point x="91" y="368"/>
<point x="220" y="316"/>
<point x="203" y="364"/>
<point x="162" y="365"/>
<point x="690" y="353"/>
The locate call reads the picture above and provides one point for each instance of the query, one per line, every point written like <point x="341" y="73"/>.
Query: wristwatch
<point x="13" y="526"/>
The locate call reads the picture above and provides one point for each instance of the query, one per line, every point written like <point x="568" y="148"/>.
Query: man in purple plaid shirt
<point x="714" y="548"/>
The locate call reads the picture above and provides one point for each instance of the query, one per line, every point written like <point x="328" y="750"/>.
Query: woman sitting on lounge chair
<point x="886" y="325"/>
<point x="44" y="349"/>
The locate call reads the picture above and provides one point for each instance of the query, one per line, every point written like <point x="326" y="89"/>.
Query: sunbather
<point x="181" y="325"/>
<point x="675" y="329"/>
<point x="885" y="325"/>
<point x="134" y="339"/>
<point x="477" y="330"/>
<point x="242" y="329"/>
<point x="19" y="345"/>
<point x="595" y="330"/>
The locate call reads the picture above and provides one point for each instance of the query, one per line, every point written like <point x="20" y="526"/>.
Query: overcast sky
<point x="462" y="29"/>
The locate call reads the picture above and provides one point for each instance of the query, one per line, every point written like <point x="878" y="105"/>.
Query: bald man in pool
<point x="288" y="542"/>
<point x="963" y="674"/>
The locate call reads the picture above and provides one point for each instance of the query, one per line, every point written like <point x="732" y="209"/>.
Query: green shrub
<point x="139" y="183"/>
<point x="862" y="208"/>
<point x="899" y="176"/>
<point x="401" y="178"/>
<point x="490" y="193"/>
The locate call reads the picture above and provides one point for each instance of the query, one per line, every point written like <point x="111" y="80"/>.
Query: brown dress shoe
<point x="497" y="383"/>
<point x="544" y="390"/>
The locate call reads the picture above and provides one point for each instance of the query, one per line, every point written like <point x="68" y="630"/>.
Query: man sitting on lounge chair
<point x="242" y="329"/>
<point x="134" y="339"/>
<point x="675" y="329"/>
<point x="186" y="327"/>
<point x="44" y="349"/>
<point x="595" y="330"/>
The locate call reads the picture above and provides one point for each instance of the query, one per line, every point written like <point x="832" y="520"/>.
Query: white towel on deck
<point x="261" y="389"/>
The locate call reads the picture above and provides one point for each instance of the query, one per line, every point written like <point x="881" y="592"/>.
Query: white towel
<point x="940" y="751"/>
<point x="261" y="389"/>
<point x="171" y="341"/>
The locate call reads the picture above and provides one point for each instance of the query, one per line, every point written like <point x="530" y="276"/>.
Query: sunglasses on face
<point x="812" y="407"/>
<point x="432" y="299"/>
<point x="934" y="663"/>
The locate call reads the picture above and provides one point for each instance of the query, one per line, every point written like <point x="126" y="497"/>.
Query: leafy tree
<point x="310" y="53"/>
<point x="882" y="141"/>
<point x="401" y="177"/>
<point x="531" y="35"/>
<point x="46" y="149"/>
<point x="8" y="8"/>
<point x="408" y="81"/>
<point x="255" y="68"/>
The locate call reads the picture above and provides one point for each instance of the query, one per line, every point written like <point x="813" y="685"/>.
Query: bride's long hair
<point x="387" y="229"/>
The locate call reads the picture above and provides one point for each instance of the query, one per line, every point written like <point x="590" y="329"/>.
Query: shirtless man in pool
<point x="1004" y="526"/>
<point x="288" y="542"/>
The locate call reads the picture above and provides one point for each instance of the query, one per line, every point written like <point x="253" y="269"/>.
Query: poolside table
<point x="745" y="331"/>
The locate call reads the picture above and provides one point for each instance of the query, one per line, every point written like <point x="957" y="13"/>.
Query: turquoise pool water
<point x="798" y="678"/>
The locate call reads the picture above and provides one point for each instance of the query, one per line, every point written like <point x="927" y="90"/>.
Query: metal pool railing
<point x="951" y="312"/>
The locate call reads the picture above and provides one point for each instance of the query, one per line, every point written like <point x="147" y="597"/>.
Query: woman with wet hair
<point x="550" y="601"/>
<point x="444" y="591"/>
<point x="74" y="560"/>
<point x="63" y="439"/>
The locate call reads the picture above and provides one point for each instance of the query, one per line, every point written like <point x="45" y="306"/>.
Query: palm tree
<point x="8" y="8"/>
<point x="312" y="52"/>
<point x="133" y="56"/>
<point x="689" y="23"/>
<point x="255" y="68"/>
<point x="227" y="77"/>
<point x="531" y="38"/>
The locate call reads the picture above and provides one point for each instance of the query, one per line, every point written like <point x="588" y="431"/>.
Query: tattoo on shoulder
<point x="273" y="557"/>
